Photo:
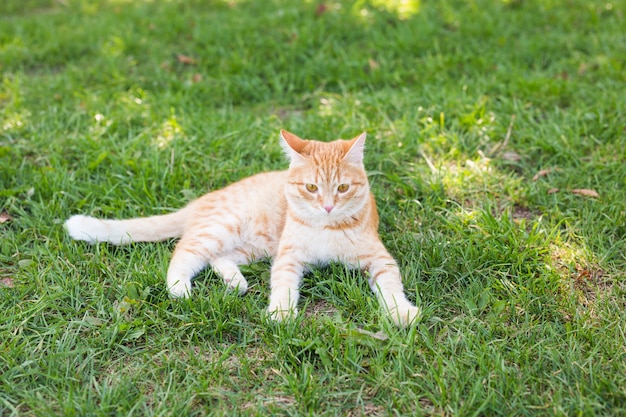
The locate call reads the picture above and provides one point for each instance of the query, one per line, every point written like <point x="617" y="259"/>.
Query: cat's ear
<point x="354" y="149"/>
<point x="292" y="145"/>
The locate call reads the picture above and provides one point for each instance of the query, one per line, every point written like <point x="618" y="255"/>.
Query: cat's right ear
<point x="292" y="145"/>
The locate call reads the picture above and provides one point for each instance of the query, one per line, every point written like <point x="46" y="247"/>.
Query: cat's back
<point x="264" y="187"/>
<point x="250" y="212"/>
<point x="250" y="199"/>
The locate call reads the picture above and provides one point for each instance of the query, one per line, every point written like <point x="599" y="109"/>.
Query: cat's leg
<point x="229" y="271"/>
<point x="184" y="265"/>
<point x="195" y="250"/>
<point x="386" y="282"/>
<point x="212" y="240"/>
<point x="285" y="283"/>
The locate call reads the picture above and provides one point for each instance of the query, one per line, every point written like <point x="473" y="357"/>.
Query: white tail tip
<point x="94" y="230"/>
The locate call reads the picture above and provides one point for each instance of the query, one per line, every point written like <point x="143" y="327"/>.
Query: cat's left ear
<point x="292" y="145"/>
<point x="354" y="149"/>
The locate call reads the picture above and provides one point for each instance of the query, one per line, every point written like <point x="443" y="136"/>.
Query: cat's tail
<point x="122" y="232"/>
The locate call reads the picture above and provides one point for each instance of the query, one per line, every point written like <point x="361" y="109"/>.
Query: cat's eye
<point x="311" y="188"/>
<point x="342" y="188"/>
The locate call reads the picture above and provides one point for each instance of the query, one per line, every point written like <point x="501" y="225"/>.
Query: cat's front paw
<point x="279" y="314"/>
<point x="180" y="289"/>
<point x="238" y="285"/>
<point x="405" y="316"/>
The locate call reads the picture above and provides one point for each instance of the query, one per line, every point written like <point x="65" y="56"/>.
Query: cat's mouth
<point x="330" y="214"/>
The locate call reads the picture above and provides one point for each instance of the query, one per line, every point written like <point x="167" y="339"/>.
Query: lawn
<point x="496" y="151"/>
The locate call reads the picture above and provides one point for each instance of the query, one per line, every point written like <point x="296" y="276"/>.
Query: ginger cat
<point x="319" y="210"/>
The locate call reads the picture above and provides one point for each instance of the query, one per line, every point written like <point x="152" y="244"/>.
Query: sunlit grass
<point x="404" y="9"/>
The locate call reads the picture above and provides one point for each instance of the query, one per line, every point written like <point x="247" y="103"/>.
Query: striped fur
<point x="319" y="210"/>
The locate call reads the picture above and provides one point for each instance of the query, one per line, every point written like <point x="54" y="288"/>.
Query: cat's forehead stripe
<point x="325" y="158"/>
<point x="327" y="170"/>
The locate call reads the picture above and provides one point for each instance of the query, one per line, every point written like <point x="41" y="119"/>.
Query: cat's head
<point x="327" y="181"/>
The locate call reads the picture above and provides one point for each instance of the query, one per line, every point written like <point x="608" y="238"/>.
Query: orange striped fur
<point x="318" y="211"/>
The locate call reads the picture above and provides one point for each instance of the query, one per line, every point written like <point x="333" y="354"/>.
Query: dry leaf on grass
<point x="562" y="75"/>
<point x="5" y="217"/>
<point x="7" y="282"/>
<point x="542" y="173"/>
<point x="185" y="59"/>
<point x="553" y="190"/>
<point x="586" y="192"/>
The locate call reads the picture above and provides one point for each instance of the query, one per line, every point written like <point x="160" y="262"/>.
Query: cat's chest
<point x="323" y="245"/>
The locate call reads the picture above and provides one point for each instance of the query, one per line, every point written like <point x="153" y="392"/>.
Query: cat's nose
<point x="328" y="208"/>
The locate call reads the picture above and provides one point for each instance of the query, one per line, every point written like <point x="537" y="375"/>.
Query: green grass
<point x="523" y="287"/>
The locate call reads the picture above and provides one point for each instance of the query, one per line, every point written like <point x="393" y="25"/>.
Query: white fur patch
<point x="94" y="230"/>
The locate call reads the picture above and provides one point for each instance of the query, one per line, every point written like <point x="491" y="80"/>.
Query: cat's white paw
<point x="180" y="289"/>
<point x="280" y="314"/>
<point x="406" y="315"/>
<point x="238" y="284"/>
